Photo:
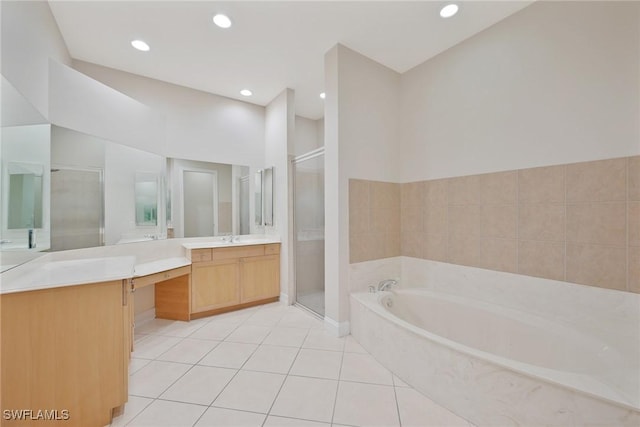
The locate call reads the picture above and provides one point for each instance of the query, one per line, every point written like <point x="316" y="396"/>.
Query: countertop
<point x="69" y="268"/>
<point x="241" y="242"/>
<point x="45" y="275"/>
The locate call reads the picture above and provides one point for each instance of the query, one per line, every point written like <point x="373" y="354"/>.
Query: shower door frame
<point x="100" y="172"/>
<point x="293" y="162"/>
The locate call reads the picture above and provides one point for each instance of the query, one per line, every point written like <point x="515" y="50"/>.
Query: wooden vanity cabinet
<point x="260" y="278"/>
<point x="66" y="349"/>
<point x="224" y="279"/>
<point x="214" y="284"/>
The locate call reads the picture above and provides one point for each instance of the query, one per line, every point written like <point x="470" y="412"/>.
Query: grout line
<point x="285" y="378"/>
<point x="627" y="205"/>
<point x="237" y="371"/>
<point x="258" y="345"/>
<point x="138" y="414"/>
<point x="518" y="222"/>
<point x="395" y="394"/>
<point x="335" y="400"/>
<point x="566" y="221"/>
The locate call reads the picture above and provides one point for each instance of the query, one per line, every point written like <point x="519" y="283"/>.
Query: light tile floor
<point x="271" y="365"/>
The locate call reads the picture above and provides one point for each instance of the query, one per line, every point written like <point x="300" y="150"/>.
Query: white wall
<point x="30" y="36"/>
<point x="76" y="149"/>
<point x="15" y="110"/>
<point x="361" y="141"/>
<point x="307" y="135"/>
<point x="84" y="104"/>
<point x="199" y="125"/>
<point x="279" y="137"/>
<point x="555" y="83"/>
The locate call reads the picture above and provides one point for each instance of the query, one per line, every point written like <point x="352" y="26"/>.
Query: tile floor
<point x="271" y="365"/>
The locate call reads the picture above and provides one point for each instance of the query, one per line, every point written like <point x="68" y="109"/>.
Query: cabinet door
<point x="259" y="278"/>
<point x="64" y="348"/>
<point x="215" y="284"/>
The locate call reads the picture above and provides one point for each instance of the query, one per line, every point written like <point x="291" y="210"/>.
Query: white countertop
<point x="107" y="263"/>
<point x="160" y="265"/>
<point x="241" y="242"/>
<point x="53" y="274"/>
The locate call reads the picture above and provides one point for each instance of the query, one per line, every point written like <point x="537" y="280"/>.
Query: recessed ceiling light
<point x="246" y="92"/>
<point x="140" y="45"/>
<point x="449" y="10"/>
<point x="323" y="95"/>
<point x="221" y="20"/>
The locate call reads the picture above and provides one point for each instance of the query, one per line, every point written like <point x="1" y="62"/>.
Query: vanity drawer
<point x="200" y="255"/>
<point x="151" y="279"/>
<point x="272" y="249"/>
<point x="238" y="252"/>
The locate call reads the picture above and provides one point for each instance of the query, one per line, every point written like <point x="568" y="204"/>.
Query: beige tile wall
<point x="374" y="220"/>
<point x="577" y="222"/>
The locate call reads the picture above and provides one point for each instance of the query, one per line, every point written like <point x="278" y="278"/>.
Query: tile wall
<point x="374" y="220"/>
<point x="578" y="222"/>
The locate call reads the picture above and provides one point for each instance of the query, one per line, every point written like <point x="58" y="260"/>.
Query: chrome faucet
<point x="385" y="284"/>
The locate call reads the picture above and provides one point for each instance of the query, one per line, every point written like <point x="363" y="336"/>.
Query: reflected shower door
<point x="309" y="230"/>
<point x="76" y="208"/>
<point x="244" y="205"/>
<point x="200" y="192"/>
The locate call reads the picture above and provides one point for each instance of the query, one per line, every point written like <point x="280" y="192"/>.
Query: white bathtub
<point x="496" y="365"/>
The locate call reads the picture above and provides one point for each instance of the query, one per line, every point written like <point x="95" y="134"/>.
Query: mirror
<point x="258" y="197"/>
<point x="268" y="196"/>
<point x="207" y="199"/>
<point x="146" y="192"/>
<point x="24" y="187"/>
<point x="25" y="195"/>
<point x="75" y="188"/>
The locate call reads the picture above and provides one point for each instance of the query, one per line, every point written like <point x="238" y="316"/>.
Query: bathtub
<point x="496" y="365"/>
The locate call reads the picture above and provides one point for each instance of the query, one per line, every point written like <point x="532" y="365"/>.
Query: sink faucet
<point x="385" y="284"/>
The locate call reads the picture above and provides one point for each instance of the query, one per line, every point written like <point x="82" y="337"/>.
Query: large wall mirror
<point x="75" y="190"/>
<point x="63" y="189"/>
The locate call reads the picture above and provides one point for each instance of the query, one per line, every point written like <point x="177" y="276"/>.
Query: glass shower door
<point x="309" y="230"/>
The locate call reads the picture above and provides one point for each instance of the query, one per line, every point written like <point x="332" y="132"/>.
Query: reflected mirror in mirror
<point x="146" y="192"/>
<point x="25" y="196"/>
<point x="268" y="196"/>
<point x="24" y="187"/>
<point x="207" y="199"/>
<point x="258" y="197"/>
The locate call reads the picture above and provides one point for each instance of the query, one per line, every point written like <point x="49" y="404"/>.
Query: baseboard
<point x="337" y="329"/>
<point x="144" y="316"/>
<point x="284" y="298"/>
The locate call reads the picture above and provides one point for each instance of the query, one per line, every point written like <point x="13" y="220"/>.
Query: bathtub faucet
<point x="385" y="284"/>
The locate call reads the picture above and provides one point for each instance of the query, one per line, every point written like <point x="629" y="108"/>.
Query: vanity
<point x="66" y="318"/>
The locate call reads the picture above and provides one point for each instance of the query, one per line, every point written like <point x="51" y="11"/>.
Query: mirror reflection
<point x="24" y="187"/>
<point x="268" y="196"/>
<point x="25" y="195"/>
<point x="207" y="198"/>
<point x="78" y="190"/>
<point x="146" y="199"/>
<point x="258" y="197"/>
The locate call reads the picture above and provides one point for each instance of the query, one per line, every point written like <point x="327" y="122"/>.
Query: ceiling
<point x="272" y="45"/>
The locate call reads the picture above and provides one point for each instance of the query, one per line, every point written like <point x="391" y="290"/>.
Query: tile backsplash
<point x="577" y="222"/>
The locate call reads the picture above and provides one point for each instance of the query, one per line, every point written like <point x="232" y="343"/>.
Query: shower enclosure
<point x="308" y="173"/>
<point x="77" y="206"/>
